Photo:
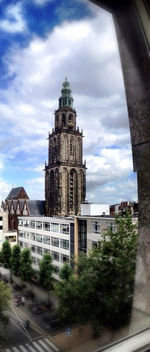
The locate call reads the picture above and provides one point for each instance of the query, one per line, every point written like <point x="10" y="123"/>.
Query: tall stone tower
<point x="65" y="174"/>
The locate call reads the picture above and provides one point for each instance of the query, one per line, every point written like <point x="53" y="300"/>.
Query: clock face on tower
<point x="70" y="123"/>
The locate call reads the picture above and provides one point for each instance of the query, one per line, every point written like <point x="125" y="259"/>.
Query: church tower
<point x="65" y="173"/>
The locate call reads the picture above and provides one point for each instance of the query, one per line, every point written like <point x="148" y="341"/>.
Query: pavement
<point x="18" y="336"/>
<point x="34" y="339"/>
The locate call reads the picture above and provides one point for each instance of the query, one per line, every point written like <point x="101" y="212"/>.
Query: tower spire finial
<point x="66" y="96"/>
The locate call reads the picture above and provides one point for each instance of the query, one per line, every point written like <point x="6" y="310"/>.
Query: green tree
<point x="101" y="292"/>
<point x="26" y="270"/>
<point x="6" y="254"/>
<point x="5" y="297"/>
<point x="45" y="271"/>
<point x="15" y="259"/>
<point x="1" y="257"/>
<point x="116" y="256"/>
<point x="65" y="272"/>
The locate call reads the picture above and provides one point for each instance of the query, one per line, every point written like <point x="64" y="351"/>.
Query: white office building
<point x="94" y="209"/>
<point x="62" y="237"/>
<point x="47" y="235"/>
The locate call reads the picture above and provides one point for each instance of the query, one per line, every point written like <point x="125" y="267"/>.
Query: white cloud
<point x="39" y="168"/>
<point x="1" y="164"/>
<point x="71" y="50"/>
<point x="85" y="51"/>
<point x="13" y="21"/>
<point x="35" y="188"/>
<point x="111" y="165"/>
<point x="42" y="2"/>
<point x="32" y="181"/>
<point x="4" y="189"/>
<point x="4" y="186"/>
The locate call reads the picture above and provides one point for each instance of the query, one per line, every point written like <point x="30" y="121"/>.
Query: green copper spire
<point x="66" y="95"/>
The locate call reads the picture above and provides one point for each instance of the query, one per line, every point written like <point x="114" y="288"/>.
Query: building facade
<point x="47" y="235"/>
<point x="3" y="222"/>
<point x="5" y="234"/>
<point x="90" y="230"/>
<point x="88" y="208"/>
<point x="13" y="205"/>
<point x="62" y="237"/>
<point x="65" y="173"/>
<point x="123" y="207"/>
<point x="18" y="203"/>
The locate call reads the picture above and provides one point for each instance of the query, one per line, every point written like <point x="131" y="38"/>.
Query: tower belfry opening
<point x="65" y="173"/>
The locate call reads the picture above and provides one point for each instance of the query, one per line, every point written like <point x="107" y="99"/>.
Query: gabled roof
<point x="14" y="193"/>
<point x="36" y="207"/>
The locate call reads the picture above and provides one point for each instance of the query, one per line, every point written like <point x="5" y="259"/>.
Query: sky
<point x="42" y="42"/>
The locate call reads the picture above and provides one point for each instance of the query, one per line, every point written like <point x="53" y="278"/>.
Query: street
<point x="33" y="338"/>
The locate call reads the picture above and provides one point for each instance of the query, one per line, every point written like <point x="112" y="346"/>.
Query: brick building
<point x="121" y="208"/>
<point x="18" y="203"/>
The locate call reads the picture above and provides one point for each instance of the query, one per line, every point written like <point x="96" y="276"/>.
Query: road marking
<point x="15" y="349"/>
<point x="45" y="346"/>
<point x="33" y="324"/>
<point x="52" y="345"/>
<point x="31" y="348"/>
<point x="23" y="348"/>
<point x="12" y="320"/>
<point x="38" y="347"/>
<point x="34" y="346"/>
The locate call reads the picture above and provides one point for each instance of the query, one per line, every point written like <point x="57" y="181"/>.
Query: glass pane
<point x="54" y="227"/>
<point x="55" y="241"/>
<point x="46" y="226"/>
<point x="64" y="228"/>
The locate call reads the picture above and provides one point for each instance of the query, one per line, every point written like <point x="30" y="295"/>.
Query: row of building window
<point x="47" y="226"/>
<point x="59" y="257"/>
<point x="96" y="227"/>
<point x="53" y="241"/>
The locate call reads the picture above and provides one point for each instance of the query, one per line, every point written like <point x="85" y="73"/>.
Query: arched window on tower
<point x="56" y="188"/>
<point x="79" y="150"/>
<point x="73" y="191"/>
<point x="50" y="150"/>
<point x="63" y="120"/>
<point x="54" y="150"/>
<point x="56" y="180"/>
<point x="64" y="149"/>
<point x="52" y="199"/>
<point x="71" y="145"/>
<point x="46" y="182"/>
<point x="82" y="184"/>
<point x="65" y="190"/>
